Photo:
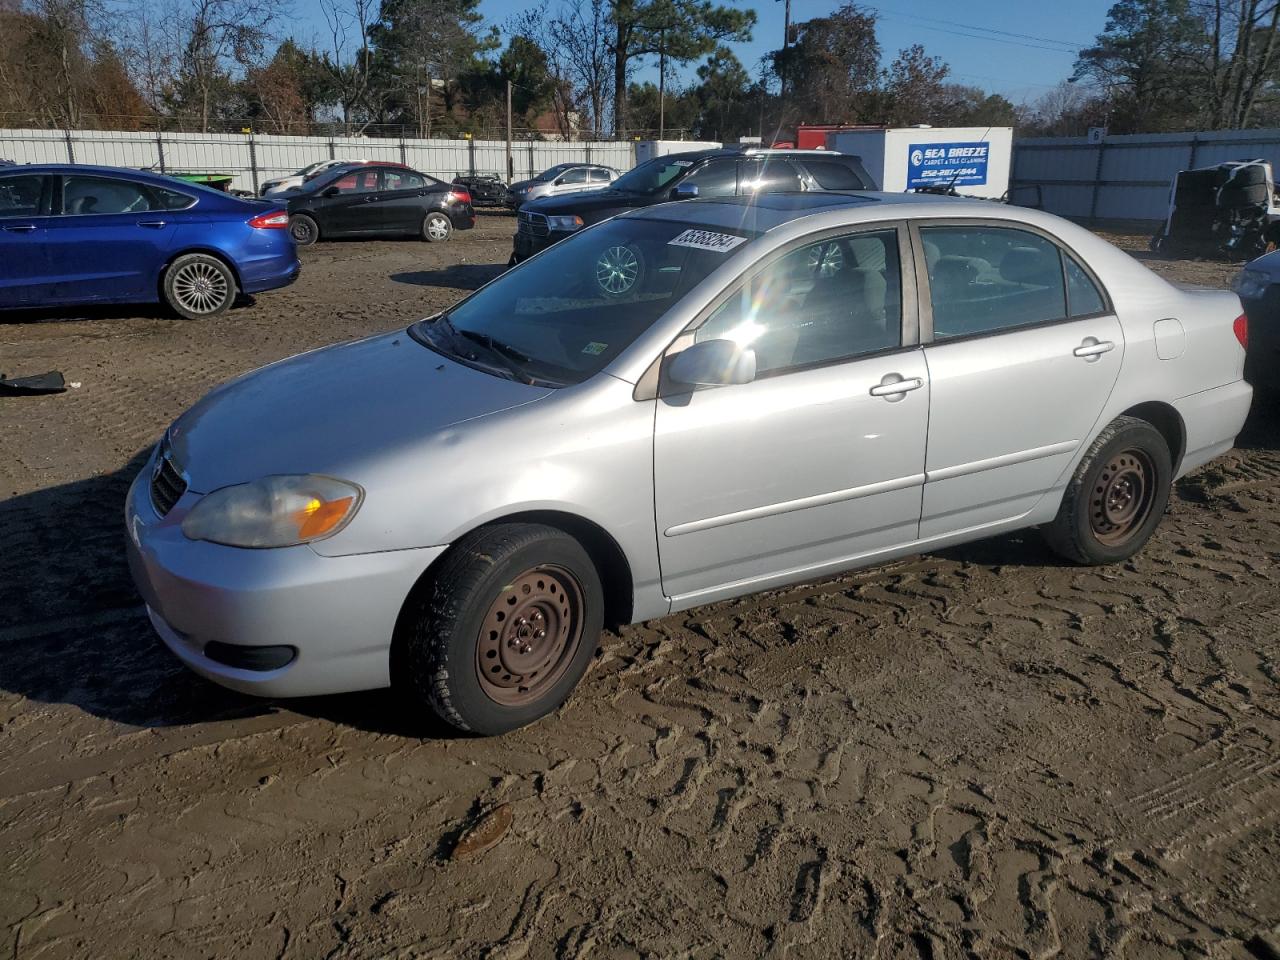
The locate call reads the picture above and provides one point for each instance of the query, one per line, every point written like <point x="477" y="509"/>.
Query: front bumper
<point x="525" y="245"/>
<point x="337" y="613"/>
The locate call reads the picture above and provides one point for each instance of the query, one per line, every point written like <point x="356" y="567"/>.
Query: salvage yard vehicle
<point x="683" y="176"/>
<point x="375" y="200"/>
<point x="680" y="405"/>
<point x="76" y="234"/>
<point x="486" y="189"/>
<point x="1227" y="210"/>
<point x="558" y="180"/>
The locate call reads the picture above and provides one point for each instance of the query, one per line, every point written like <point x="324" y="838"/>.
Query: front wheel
<point x="504" y="630"/>
<point x="1116" y="497"/>
<point x="197" y="286"/>
<point x="436" y="227"/>
<point x="304" y="230"/>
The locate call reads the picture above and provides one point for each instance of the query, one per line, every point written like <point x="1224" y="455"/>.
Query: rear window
<point x="833" y="175"/>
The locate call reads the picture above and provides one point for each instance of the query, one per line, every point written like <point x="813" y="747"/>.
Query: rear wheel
<point x="197" y="286"/>
<point x="1117" y="496"/>
<point x="505" y="629"/>
<point x="304" y="230"/>
<point x="436" y="227"/>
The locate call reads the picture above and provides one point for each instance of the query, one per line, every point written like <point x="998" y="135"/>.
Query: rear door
<point x="399" y="205"/>
<point x="1023" y="350"/>
<point x="110" y="237"/>
<point x="24" y="203"/>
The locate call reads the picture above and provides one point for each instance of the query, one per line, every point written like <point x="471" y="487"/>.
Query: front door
<point x="23" y="228"/>
<point x="110" y="240"/>
<point x="820" y="459"/>
<point x="346" y="213"/>
<point x="1025" y="350"/>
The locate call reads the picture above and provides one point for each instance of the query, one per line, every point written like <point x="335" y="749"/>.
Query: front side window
<point x="20" y="195"/>
<point x="562" y="316"/>
<point x="98" y="195"/>
<point x="575" y="176"/>
<point x="359" y="181"/>
<point x="833" y="300"/>
<point x="715" y="178"/>
<point x="987" y="279"/>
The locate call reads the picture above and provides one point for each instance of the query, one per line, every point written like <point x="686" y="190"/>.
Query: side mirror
<point x="684" y="191"/>
<point x="713" y="363"/>
<point x="331" y="191"/>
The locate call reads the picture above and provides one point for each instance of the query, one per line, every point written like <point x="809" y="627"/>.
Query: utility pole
<point x="662" y="81"/>
<point x="786" y="41"/>
<point x="510" y="168"/>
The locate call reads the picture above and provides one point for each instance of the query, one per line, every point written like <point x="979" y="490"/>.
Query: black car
<point x="378" y="200"/>
<point x="683" y="176"/>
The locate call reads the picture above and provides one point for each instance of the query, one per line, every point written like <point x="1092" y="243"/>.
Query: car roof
<point x="766" y="211"/>
<point x="150" y="176"/>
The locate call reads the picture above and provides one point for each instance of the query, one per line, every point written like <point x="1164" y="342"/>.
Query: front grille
<point x="167" y="484"/>
<point x="534" y="224"/>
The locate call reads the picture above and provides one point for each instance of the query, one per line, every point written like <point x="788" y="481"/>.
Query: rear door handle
<point x="153" y="224"/>
<point x="1092" y="349"/>
<point x="894" y="387"/>
<point x="21" y="228"/>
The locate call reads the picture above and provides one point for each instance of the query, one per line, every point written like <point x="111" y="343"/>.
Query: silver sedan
<point x="683" y="404"/>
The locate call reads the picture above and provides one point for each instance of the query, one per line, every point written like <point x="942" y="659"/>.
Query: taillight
<point x="275" y="220"/>
<point x="1241" y="330"/>
<point x="459" y="196"/>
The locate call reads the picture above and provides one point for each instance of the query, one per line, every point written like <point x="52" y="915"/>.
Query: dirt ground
<point x="978" y="752"/>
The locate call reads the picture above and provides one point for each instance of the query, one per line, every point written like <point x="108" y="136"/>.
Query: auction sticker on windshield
<point x="706" y="240"/>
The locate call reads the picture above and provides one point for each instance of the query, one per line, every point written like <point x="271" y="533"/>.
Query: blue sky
<point x="1020" y="67"/>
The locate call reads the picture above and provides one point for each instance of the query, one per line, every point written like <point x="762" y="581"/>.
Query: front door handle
<point x="1092" y="349"/>
<point x="153" y="224"/>
<point x="21" y="228"/>
<point x="895" y="387"/>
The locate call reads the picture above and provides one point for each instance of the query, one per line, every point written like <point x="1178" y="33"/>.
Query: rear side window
<point x="402" y="180"/>
<point x="987" y="279"/>
<point x="20" y="196"/>
<point x="833" y="175"/>
<point x="769" y="176"/>
<point x="599" y="175"/>
<point x="1083" y="296"/>
<point x="83" y="196"/>
<point x="171" y="199"/>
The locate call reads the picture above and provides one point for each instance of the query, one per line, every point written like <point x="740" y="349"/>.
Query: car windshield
<point x="652" y="175"/>
<point x="310" y="168"/>
<point x="564" y="315"/>
<point x="552" y="173"/>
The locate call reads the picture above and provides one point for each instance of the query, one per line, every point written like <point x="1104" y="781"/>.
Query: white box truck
<point x="975" y="161"/>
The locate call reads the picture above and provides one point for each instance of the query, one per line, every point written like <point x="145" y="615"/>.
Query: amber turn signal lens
<point x="319" y="517"/>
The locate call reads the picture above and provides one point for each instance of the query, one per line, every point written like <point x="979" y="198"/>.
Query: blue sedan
<point x="72" y="234"/>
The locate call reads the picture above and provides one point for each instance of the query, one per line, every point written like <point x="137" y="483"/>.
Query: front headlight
<point x="274" y="512"/>
<point x="1251" y="284"/>
<point x="567" y="224"/>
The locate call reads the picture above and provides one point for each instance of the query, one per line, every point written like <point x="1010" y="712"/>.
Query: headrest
<point x="1029" y="265"/>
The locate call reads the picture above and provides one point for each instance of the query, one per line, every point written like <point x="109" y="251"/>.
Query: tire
<point x="436" y="227"/>
<point x="1116" y="497"/>
<point x="459" y="651"/>
<point x="197" y="286"/>
<point x="304" y="229"/>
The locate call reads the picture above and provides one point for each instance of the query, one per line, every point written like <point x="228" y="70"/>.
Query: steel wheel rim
<point x="825" y="260"/>
<point x="301" y="230"/>
<point x="529" y="635"/>
<point x="617" y="269"/>
<point x="1122" y="496"/>
<point x="200" y="287"/>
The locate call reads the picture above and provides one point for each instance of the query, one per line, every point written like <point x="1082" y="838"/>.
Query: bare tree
<point x="578" y="35"/>
<point x="1242" y="52"/>
<point x="351" y="66"/>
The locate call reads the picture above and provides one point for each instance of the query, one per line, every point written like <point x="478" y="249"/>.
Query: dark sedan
<point x="378" y="200"/>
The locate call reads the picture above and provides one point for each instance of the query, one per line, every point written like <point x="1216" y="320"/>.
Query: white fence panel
<point x="253" y="159"/>
<point x="1124" y="177"/>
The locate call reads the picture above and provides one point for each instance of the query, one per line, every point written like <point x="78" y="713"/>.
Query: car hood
<point x="591" y="205"/>
<point x="334" y="411"/>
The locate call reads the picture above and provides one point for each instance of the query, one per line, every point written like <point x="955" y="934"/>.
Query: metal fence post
<point x="253" y="161"/>
<point x="1195" y="146"/>
<point x="160" y="148"/>
<point x="587" y="146"/>
<point x="471" y="156"/>
<point x="1097" y="182"/>
<point x="332" y="154"/>
<point x="404" y="154"/>
<point x="71" y="150"/>
<point x="532" y="172"/>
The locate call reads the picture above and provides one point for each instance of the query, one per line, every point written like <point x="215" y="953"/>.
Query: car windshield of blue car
<point x="652" y="175"/>
<point x="562" y="316"/>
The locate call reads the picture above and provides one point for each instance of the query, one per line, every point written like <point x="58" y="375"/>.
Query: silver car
<point x="558" y="180"/>
<point x="682" y="404"/>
